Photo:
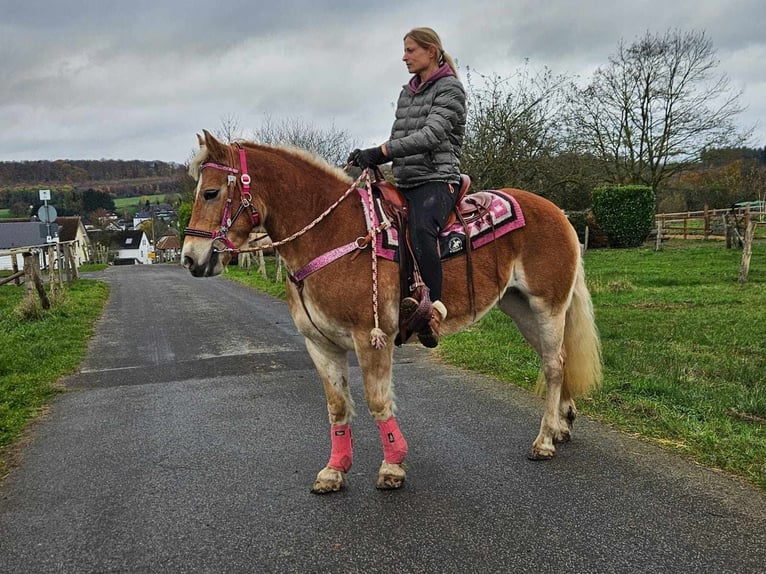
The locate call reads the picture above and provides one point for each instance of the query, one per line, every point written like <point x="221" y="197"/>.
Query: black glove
<point x="369" y="157"/>
<point x="352" y="157"/>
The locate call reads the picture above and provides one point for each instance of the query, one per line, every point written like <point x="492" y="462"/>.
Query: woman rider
<point x="425" y="144"/>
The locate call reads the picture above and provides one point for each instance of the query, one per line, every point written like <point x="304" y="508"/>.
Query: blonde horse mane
<point x="288" y="150"/>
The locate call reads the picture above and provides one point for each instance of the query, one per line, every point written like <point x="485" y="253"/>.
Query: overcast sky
<point x="136" y="79"/>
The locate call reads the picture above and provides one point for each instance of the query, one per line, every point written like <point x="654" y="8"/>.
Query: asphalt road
<point x="191" y="437"/>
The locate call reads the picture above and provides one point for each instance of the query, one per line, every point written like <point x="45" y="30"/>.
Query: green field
<point x="5" y="214"/>
<point x="128" y="202"/>
<point x="684" y="350"/>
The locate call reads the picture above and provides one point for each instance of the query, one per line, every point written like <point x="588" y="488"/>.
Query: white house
<point x="21" y="233"/>
<point x="132" y="247"/>
<point x="72" y="229"/>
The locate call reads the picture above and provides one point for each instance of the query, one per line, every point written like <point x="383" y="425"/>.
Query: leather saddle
<point x="467" y="208"/>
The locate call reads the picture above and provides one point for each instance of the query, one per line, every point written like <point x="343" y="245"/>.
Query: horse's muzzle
<point x="210" y="267"/>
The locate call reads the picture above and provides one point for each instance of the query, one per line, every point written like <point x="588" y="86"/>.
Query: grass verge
<point x="684" y="350"/>
<point x="34" y="354"/>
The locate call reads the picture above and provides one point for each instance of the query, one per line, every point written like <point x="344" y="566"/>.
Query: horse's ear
<point x="216" y="150"/>
<point x="200" y="140"/>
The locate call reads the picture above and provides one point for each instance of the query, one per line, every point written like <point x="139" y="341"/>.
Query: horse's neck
<point x="292" y="208"/>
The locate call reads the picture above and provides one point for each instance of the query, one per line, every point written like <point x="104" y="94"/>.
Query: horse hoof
<point x="563" y="436"/>
<point x="328" y="480"/>
<point x="541" y="452"/>
<point x="390" y="476"/>
<point x="534" y="455"/>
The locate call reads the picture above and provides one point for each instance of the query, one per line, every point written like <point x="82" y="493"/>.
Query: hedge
<point x="625" y="213"/>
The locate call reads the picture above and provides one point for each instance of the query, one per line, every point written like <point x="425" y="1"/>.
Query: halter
<point x="377" y="336"/>
<point x="246" y="202"/>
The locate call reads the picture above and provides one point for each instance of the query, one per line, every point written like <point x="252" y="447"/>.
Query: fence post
<point x="744" y="266"/>
<point x="32" y="278"/>
<point x="15" y="265"/>
<point x="658" y="239"/>
<point x="262" y="265"/>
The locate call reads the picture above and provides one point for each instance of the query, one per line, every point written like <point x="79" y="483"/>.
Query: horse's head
<point x="223" y="215"/>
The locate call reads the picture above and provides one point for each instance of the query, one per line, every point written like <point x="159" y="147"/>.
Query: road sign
<point x="47" y="213"/>
<point x="45" y="195"/>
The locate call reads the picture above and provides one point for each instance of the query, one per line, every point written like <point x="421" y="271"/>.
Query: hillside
<point x="79" y="172"/>
<point x="68" y="179"/>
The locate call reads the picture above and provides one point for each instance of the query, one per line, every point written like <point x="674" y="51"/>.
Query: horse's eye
<point x="209" y="194"/>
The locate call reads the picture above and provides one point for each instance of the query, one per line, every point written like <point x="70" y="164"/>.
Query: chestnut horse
<point x="534" y="274"/>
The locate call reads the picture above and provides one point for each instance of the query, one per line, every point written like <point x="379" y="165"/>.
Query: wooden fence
<point x="728" y="224"/>
<point x="738" y="227"/>
<point x="61" y="264"/>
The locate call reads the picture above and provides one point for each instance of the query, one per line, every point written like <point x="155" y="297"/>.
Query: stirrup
<point x="416" y="314"/>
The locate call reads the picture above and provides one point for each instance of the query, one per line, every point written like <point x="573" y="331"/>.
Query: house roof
<point x="128" y="239"/>
<point x="22" y="234"/>
<point x="68" y="227"/>
<point x="168" y="242"/>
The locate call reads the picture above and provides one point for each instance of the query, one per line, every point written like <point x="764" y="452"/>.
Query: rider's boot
<point x="429" y="335"/>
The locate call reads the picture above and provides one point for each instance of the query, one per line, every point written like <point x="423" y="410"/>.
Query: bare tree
<point x="229" y="130"/>
<point x="513" y="128"/>
<point x="656" y="107"/>
<point x="331" y="143"/>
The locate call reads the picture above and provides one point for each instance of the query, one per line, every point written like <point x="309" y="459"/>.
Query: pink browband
<point x="219" y="166"/>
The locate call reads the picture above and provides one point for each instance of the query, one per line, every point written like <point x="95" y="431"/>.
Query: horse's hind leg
<point x="332" y="365"/>
<point x="376" y="367"/>
<point x="545" y="333"/>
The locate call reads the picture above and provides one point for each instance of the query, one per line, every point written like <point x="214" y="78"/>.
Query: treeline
<point x="73" y="172"/>
<point x="69" y="200"/>
<point x="79" y="187"/>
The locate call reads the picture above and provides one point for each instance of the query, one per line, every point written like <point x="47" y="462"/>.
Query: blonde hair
<point x="427" y="37"/>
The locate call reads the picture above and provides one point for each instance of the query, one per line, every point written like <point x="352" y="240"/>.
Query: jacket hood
<point x="417" y="84"/>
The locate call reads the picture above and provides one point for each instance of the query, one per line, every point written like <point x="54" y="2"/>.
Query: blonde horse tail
<point x="582" y="345"/>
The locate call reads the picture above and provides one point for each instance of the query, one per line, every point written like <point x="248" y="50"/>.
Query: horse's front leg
<point x="378" y="391"/>
<point x="332" y="365"/>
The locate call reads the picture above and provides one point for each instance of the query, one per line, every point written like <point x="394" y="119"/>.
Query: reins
<point x="378" y="338"/>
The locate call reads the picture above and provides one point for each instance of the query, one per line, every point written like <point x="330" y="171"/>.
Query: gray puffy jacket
<point x="427" y="135"/>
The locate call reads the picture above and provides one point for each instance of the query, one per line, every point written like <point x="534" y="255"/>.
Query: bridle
<point x="377" y="336"/>
<point x="246" y="203"/>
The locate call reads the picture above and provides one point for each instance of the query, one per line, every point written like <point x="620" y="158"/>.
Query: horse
<point x="533" y="274"/>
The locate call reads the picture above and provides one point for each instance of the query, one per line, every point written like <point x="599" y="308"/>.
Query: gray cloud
<point x="87" y="79"/>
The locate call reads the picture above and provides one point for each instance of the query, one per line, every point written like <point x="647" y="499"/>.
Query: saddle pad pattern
<point x="503" y="216"/>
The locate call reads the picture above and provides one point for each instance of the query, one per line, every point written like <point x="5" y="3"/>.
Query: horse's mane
<point x="289" y="152"/>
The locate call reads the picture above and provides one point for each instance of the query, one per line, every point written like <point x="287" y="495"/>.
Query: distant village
<point x="145" y="233"/>
<point x="150" y="237"/>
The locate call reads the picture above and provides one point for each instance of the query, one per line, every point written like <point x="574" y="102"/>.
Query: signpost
<point x="47" y="213"/>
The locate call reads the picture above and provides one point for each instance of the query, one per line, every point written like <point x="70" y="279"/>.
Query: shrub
<point x="625" y="213"/>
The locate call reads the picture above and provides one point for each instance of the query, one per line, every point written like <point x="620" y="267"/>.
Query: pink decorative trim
<point x="323" y="260"/>
<point x="342" y="448"/>
<point x="219" y="166"/>
<point x="504" y="216"/>
<point x="394" y="445"/>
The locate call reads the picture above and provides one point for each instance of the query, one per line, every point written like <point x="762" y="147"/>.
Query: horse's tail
<point x="582" y="346"/>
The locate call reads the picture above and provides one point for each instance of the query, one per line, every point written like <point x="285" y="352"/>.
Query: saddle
<point x="467" y="209"/>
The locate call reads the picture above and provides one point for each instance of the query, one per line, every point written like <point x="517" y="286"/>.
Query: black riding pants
<point x="430" y="205"/>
